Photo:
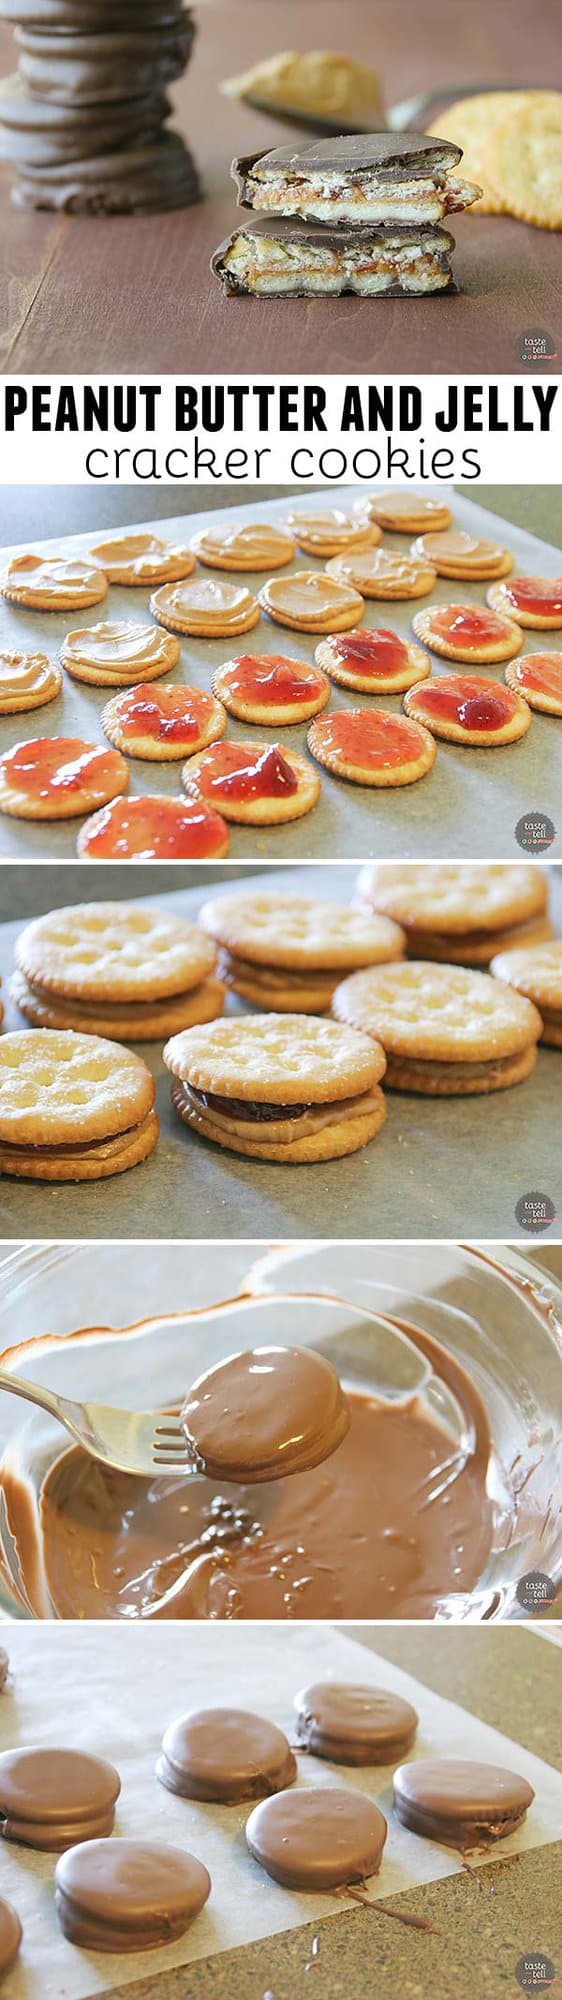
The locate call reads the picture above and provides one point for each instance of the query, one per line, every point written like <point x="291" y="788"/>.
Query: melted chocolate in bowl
<point x="385" y="1528"/>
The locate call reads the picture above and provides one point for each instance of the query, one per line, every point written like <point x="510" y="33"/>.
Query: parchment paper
<point x="440" y="1167"/>
<point x="118" y="1696"/>
<point x="469" y="804"/>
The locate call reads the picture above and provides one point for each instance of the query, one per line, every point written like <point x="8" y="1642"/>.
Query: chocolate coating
<point x="396" y="156"/>
<point x="36" y="133"/>
<point x="128" y="1895"/>
<point x="290" y="229"/>
<point x="317" y="1838"/>
<point x="264" y="1414"/>
<point x="82" y="121"/>
<point x="10" y="1935"/>
<point x="345" y="1540"/>
<point x="225" y="1754"/>
<point x="98" y="68"/>
<point x="137" y="181"/>
<point x="354" y="1725"/>
<point x="50" y="1798"/>
<point x="462" y="1804"/>
<point x="90" y="14"/>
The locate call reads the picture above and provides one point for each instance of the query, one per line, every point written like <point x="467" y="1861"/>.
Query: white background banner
<point x="282" y="430"/>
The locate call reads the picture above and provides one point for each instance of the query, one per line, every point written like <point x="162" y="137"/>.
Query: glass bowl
<point x="158" y="1326"/>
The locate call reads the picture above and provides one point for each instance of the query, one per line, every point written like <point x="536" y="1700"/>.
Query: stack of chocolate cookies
<point x="362" y="214"/>
<point x="83" y="119"/>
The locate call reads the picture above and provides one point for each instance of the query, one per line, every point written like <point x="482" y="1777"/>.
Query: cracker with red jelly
<point x="468" y="632"/>
<point x="538" y="676"/>
<point x="270" y="689"/>
<point x="532" y="601"/>
<point x="59" y="777"/>
<point x="155" y="828"/>
<point x="465" y="708"/>
<point x="163" y="723"/>
<point x="372" y="747"/>
<point x="373" y="662"/>
<point x="256" y="784"/>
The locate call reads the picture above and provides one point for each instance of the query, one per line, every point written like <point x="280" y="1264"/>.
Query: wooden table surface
<point x="121" y="295"/>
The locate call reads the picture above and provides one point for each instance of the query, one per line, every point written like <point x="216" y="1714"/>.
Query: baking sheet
<point x="469" y="804"/>
<point x="118" y="1698"/>
<point x="440" y="1167"/>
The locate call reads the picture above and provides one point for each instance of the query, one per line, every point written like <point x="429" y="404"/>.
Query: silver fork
<point x="136" y="1441"/>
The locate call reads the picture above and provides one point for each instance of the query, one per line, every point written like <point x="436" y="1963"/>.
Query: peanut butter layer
<point x="92" y="1160"/>
<point x="279" y="1123"/>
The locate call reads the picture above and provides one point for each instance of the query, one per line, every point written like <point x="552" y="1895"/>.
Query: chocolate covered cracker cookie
<point x="379" y="177"/>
